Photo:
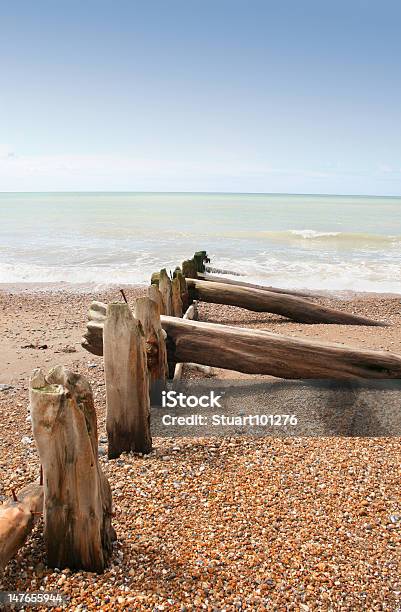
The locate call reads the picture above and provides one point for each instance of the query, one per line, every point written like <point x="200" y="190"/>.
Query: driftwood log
<point x="77" y="495"/>
<point x="261" y="352"/>
<point x="290" y="306"/>
<point x="127" y="382"/>
<point x="17" y="518"/>
<point x="147" y="312"/>
<point x="229" y="281"/>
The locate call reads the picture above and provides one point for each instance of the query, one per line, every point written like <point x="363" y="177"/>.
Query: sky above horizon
<point x="185" y="95"/>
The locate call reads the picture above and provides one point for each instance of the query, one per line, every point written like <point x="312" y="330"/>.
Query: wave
<point x="305" y="235"/>
<point x="351" y="237"/>
<point x="377" y="275"/>
<point x="310" y="234"/>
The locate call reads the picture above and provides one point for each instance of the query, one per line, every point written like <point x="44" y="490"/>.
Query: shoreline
<point x="95" y="287"/>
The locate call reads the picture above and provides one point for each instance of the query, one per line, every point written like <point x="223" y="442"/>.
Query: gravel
<point x="232" y="523"/>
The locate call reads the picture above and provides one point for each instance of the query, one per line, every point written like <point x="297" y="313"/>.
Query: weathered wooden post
<point x="183" y="288"/>
<point x="155" y="295"/>
<point x="189" y="269"/>
<point x="200" y="257"/>
<point x="154" y="280"/>
<point x="176" y="300"/>
<point x="166" y="291"/>
<point x="127" y="382"/>
<point x="77" y="495"/>
<point x="148" y="313"/>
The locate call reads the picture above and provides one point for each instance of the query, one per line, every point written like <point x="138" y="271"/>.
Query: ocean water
<point x="292" y="241"/>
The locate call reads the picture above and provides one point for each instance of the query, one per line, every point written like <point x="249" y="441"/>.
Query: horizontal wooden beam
<point x="229" y="281"/>
<point x="295" y="308"/>
<point x="260" y="352"/>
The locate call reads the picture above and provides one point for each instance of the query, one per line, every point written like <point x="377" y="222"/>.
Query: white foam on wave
<point x="375" y="275"/>
<point x="310" y="234"/>
<point x="381" y="274"/>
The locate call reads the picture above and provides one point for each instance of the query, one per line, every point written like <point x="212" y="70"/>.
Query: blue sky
<point x="184" y="95"/>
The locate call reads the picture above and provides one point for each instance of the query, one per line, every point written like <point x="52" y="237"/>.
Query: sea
<point x="320" y="242"/>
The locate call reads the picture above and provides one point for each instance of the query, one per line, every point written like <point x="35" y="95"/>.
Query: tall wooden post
<point x="77" y="495"/>
<point x="127" y="382"/>
<point x="189" y="268"/>
<point x="176" y="300"/>
<point x="166" y="291"/>
<point x="200" y="258"/>
<point x="155" y="295"/>
<point x="148" y="313"/>
<point x="183" y="288"/>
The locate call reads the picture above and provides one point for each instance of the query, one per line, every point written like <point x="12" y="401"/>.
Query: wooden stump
<point x="155" y="278"/>
<point x="189" y="269"/>
<point x="17" y="519"/>
<point x="97" y="311"/>
<point x="127" y="382"/>
<point x="77" y="495"/>
<point x="148" y="313"/>
<point x="183" y="288"/>
<point x="166" y="291"/>
<point x="156" y="296"/>
<point x="176" y="300"/>
<point x="92" y="340"/>
<point x="200" y="258"/>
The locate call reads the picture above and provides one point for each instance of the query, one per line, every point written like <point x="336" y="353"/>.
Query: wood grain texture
<point x="176" y="301"/>
<point x="229" y="281"/>
<point x="148" y="313"/>
<point x="77" y="495"/>
<point x="127" y="382"/>
<point x="290" y="306"/>
<point x="261" y="352"/>
<point x="166" y="291"/>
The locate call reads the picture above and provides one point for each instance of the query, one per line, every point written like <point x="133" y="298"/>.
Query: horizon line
<point x="265" y="193"/>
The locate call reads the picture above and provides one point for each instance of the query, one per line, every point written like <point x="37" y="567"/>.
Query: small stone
<point x="4" y="387"/>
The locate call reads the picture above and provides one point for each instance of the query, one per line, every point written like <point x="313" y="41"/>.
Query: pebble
<point x="4" y="387"/>
<point x="230" y="523"/>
